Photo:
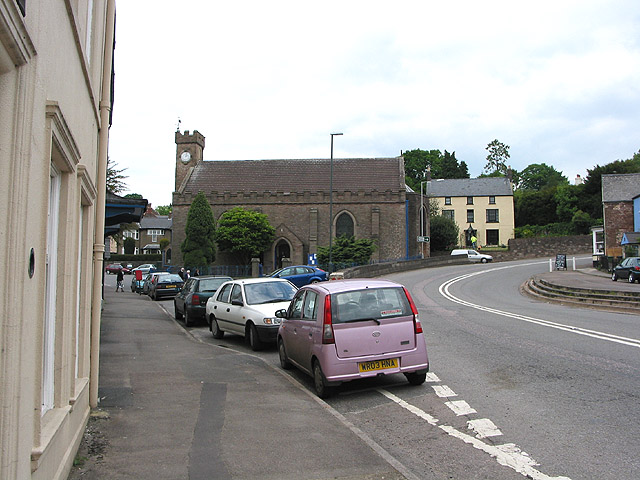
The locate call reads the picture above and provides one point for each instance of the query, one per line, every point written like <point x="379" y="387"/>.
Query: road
<point x="517" y="388"/>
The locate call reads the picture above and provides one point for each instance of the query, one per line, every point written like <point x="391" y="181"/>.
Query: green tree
<point x="129" y="246"/>
<point x="540" y="175"/>
<point x="198" y="248"/>
<point x="417" y="162"/>
<point x="347" y="251"/>
<point x="444" y="233"/>
<point x="533" y="207"/>
<point x="497" y="157"/>
<point x="164" y="209"/>
<point x="581" y="222"/>
<point x="244" y="233"/>
<point x="115" y="178"/>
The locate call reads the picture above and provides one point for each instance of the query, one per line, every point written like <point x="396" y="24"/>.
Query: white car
<point x="145" y="268"/>
<point x="248" y="308"/>
<point x="472" y="255"/>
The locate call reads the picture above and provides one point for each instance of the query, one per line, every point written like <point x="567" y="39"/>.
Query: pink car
<point x="348" y="329"/>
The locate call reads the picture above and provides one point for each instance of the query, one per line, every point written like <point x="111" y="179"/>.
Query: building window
<point x="449" y="214"/>
<point x="469" y="200"/>
<point x="493" y="237"/>
<point x="492" y="200"/>
<point x="344" y="225"/>
<point x="131" y="234"/>
<point x="447" y="200"/>
<point x="154" y="234"/>
<point x="470" y="216"/>
<point x="492" y="215"/>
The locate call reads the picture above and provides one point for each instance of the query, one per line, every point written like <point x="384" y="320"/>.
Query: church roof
<point x="353" y="174"/>
<point x="470" y="187"/>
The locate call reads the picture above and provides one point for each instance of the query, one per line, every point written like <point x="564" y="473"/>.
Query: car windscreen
<point x="211" y="284"/>
<point x="169" y="278"/>
<point x="369" y="303"/>
<point x="268" y="292"/>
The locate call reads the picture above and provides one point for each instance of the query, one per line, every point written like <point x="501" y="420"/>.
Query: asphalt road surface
<point x="518" y="387"/>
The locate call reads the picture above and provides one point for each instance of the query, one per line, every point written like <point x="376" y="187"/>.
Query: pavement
<point x="589" y="278"/>
<point x="174" y="407"/>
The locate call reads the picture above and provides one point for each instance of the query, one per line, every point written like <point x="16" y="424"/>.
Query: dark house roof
<point x="371" y="174"/>
<point x="160" y="222"/>
<point x="623" y="187"/>
<point x="470" y="187"/>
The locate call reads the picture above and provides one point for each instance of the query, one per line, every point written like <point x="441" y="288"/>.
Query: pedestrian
<point x="120" y="281"/>
<point x="187" y="275"/>
<point x="474" y="241"/>
<point x="196" y="273"/>
<point x="181" y="273"/>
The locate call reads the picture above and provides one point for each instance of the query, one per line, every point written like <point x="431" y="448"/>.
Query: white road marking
<point x="432" y="377"/>
<point x="443" y="391"/>
<point x="484" y="428"/>
<point x="460" y="407"/>
<point x="444" y="291"/>
<point x="508" y="455"/>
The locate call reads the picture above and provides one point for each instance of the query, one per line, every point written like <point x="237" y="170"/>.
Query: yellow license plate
<point x="170" y="286"/>
<point x="378" y="365"/>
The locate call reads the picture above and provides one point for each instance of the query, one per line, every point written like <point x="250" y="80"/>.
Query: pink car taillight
<point x="417" y="326"/>
<point x="327" y="328"/>
<point x="195" y="300"/>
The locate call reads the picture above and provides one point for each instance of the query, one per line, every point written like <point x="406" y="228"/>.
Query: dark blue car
<point x="301" y="275"/>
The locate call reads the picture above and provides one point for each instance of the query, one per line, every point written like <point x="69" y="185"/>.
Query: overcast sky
<point x="557" y="81"/>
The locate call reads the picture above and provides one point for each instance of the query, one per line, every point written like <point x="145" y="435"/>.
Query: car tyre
<point x="178" y="315"/>
<point x="320" y="382"/>
<point x="614" y="276"/>
<point x="188" y="321"/>
<point x="282" y="353"/>
<point x="215" y="328"/>
<point x="254" y="340"/>
<point x="415" y="378"/>
<point x="632" y="277"/>
<point x="484" y="260"/>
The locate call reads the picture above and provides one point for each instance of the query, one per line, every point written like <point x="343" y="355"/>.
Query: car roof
<point x="247" y="281"/>
<point x="338" y="286"/>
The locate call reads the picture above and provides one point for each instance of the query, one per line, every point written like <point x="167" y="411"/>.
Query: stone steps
<point x="541" y="288"/>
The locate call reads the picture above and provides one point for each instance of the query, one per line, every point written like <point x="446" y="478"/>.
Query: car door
<point x="182" y="295"/>
<point x="308" y="331"/>
<point x="234" y="310"/>
<point x="291" y="326"/>
<point x="221" y="306"/>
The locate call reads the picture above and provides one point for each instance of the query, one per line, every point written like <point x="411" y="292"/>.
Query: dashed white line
<point x="460" y="407"/>
<point x="443" y="391"/>
<point x="484" y="428"/>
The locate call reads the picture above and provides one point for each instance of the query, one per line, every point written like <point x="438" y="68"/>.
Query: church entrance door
<point x="282" y="251"/>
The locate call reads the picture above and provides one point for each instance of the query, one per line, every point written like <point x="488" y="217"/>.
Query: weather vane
<point x="179" y="122"/>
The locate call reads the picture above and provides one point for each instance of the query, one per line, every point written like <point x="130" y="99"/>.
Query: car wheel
<point x="632" y="277"/>
<point x="484" y="260"/>
<point x="319" y="381"/>
<point x="315" y="280"/>
<point x="416" y="378"/>
<point x="188" y="321"/>
<point x="215" y="329"/>
<point x="614" y="276"/>
<point x="284" y="360"/>
<point x="178" y="315"/>
<point x="254" y="340"/>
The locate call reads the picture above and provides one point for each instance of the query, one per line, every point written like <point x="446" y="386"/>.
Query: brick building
<point x="620" y="210"/>
<point x="370" y="200"/>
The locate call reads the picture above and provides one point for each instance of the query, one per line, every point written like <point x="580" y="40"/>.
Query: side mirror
<point x="282" y="313"/>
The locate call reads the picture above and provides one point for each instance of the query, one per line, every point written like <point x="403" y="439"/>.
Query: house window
<point x="492" y="215"/>
<point x="154" y="234"/>
<point x="470" y="216"/>
<point x="492" y="200"/>
<point x="493" y="237"/>
<point x="131" y="234"/>
<point x="469" y="200"/>
<point x="447" y="200"/>
<point x="448" y="214"/>
<point x="344" y="225"/>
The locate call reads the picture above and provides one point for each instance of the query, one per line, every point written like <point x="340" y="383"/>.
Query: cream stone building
<point x="55" y="103"/>
<point x="480" y="206"/>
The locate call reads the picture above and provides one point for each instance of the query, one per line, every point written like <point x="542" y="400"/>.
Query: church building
<point x="370" y="200"/>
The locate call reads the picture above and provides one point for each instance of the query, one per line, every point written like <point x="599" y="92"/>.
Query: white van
<point x="472" y="255"/>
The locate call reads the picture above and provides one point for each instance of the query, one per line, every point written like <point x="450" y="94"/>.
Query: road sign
<point x="423" y="239"/>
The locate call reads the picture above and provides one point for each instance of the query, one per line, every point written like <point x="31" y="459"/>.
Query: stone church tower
<point x="189" y="150"/>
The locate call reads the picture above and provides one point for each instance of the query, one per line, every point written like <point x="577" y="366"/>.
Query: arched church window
<point x="344" y="225"/>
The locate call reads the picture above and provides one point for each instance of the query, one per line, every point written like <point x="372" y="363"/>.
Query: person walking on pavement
<point x="474" y="241"/>
<point x="120" y="281"/>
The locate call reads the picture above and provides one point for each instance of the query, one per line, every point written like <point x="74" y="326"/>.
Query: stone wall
<point x="537" y="247"/>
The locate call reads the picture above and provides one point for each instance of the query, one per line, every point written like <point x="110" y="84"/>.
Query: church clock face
<point x="185" y="157"/>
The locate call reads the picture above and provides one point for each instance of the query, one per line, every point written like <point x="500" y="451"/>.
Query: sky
<point x="556" y="81"/>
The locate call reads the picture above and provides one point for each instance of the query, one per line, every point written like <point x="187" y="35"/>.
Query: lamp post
<point x="422" y="216"/>
<point x="331" y="203"/>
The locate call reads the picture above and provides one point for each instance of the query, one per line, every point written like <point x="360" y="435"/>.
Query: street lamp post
<point x="422" y="217"/>
<point x="331" y="204"/>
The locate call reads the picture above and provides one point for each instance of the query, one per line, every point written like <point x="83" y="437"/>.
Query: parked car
<point x="349" y="329"/>
<point x="146" y="285"/>
<point x="628" y="269"/>
<point x="248" y="308"/>
<point x="167" y="285"/>
<point x="191" y="302"/>
<point x="145" y="268"/>
<point x="114" y="268"/>
<point x="473" y="255"/>
<point x="136" y="285"/>
<point x="301" y="275"/>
